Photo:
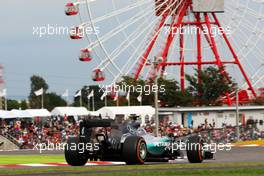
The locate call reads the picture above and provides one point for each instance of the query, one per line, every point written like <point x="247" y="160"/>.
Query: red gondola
<point x="85" y="55"/>
<point x="98" y="75"/>
<point x="76" y="33"/>
<point x="71" y="9"/>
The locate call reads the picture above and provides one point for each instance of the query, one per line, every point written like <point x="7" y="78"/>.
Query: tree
<point x="37" y="83"/>
<point x="14" y="104"/>
<point x="52" y="100"/>
<point x="213" y="85"/>
<point x="173" y="96"/>
<point x="98" y="103"/>
<point x="24" y="104"/>
<point x="135" y="87"/>
<point x="169" y="92"/>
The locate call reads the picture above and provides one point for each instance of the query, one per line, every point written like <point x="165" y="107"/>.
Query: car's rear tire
<point x="194" y="149"/>
<point x="134" y="150"/>
<point x="74" y="157"/>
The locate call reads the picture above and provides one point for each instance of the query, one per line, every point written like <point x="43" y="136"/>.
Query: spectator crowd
<point x="29" y="132"/>
<point x="209" y="132"/>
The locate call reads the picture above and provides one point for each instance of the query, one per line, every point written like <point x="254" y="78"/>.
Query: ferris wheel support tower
<point x="204" y="12"/>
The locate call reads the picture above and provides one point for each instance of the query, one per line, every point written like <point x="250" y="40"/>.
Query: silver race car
<point x="129" y="143"/>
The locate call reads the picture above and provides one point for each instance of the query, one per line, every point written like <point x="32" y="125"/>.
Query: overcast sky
<point x="23" y="54"/>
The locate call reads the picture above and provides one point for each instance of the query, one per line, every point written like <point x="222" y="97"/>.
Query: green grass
<point x="232" y="172"/>
<point x="171" y="172"/>
<point x="216" y="169"/>
<point x="234" y="169"/>
<point x="29" y="159"/>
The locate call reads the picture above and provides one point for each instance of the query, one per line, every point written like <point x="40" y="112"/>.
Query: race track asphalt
<point x="236" y="154"/>
<point x="240" y="154"/>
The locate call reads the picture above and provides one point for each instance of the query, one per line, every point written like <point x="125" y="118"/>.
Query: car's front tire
<point x="74" y="157"/>
<point x="134" y="150"/>
<point x="195" y="149"/>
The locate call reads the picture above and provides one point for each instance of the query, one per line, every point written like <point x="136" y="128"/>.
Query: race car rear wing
<point x="91" y="123"/>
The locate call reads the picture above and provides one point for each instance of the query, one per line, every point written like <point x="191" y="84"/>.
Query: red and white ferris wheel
<point x="184" y="34"/>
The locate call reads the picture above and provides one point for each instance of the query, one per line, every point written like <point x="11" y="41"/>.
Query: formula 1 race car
<point x="129" y="143"/>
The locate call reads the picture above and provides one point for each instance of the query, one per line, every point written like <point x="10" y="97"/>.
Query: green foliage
<point x="169" y="92"/>
<point x="213" y="85"/>
<point x="135" y="87"/>
<point x="98" y="103"/>
<point x="173" y="96"/>
<point x="14" y="104"/>
<point x="51" y="100"/>
<point x="37" y="83"/>
<point x="23" y="104"/>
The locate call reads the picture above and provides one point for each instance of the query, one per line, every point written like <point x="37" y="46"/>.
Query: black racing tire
<point x="134" y="150"/>
<point x="194" y="149"/>
<point x="74" y="157"/>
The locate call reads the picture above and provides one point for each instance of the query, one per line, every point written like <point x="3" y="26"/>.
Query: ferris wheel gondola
<point x="76" y="32"/>
<point x="85" y="55"/>
<point x="71" y="9"/>
<point x="98" y="75"/>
